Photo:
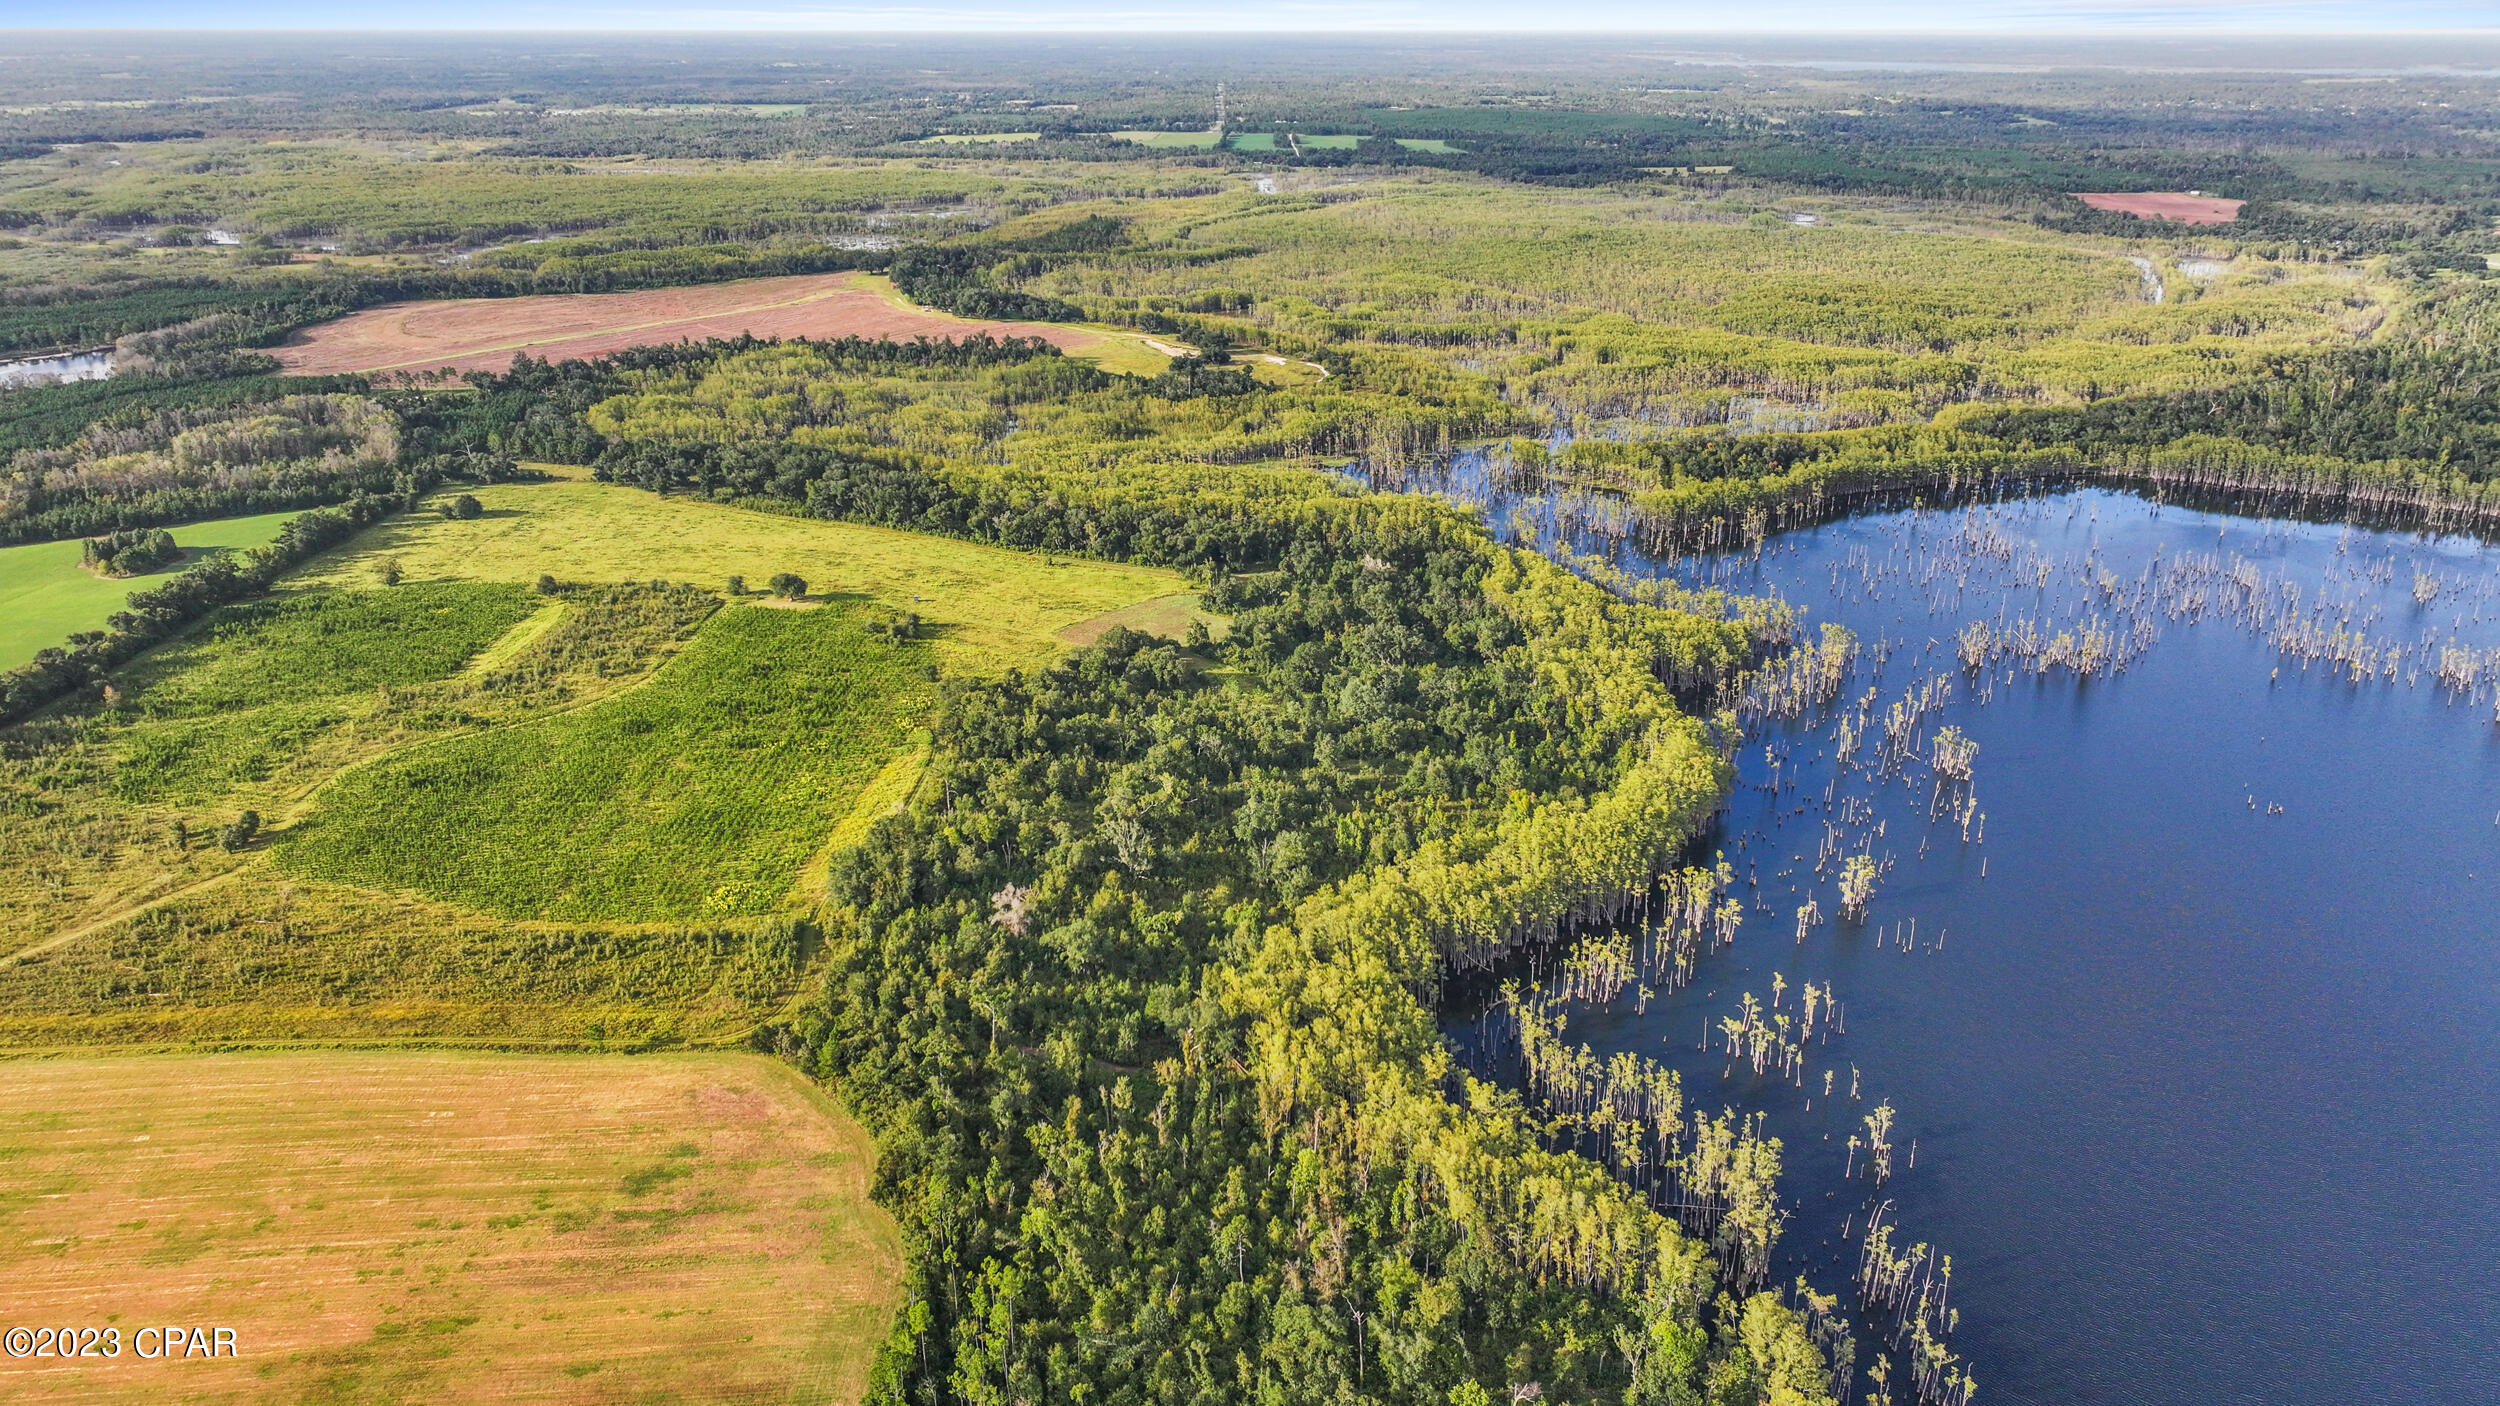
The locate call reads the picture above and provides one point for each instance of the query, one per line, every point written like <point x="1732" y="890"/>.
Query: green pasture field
<point x="105" y="811"/>
<point x="699" y="795"/>
<point x="984" y="607"/>
<point x="1434" y="145"/>
<point x="1167" y="139"/>
<point x="425" y="1226"/>
<point x="1332" y="142"/>
<point x="981" y="138"/>
<point x="125" y="922"/>
<point x="46" y="596"/>
<point x="1252" y="141"/>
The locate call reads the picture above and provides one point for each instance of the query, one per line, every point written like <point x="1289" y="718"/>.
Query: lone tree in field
<point x="788" y="585"/>
<point x="547" y="584"/>
<point x="245" y="826"/>
<point x="464" y="507"/>
<point x="737" y="585"/>
<point x="390" y="572"/>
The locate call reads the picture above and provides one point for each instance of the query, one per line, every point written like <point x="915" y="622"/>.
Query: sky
<point x="1272" y="16"/>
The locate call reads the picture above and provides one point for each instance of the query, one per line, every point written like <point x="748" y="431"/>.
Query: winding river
<point x="2196" y="1038"/>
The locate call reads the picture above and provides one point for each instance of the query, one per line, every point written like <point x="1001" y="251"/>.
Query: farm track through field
<point x="57" y="941"/>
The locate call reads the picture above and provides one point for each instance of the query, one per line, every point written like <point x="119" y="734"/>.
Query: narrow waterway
<point x="2193" y="1037"/>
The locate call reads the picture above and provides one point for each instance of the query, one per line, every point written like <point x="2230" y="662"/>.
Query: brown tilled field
<point x="433" y="1227"/>
<point x="2166" y="205"/>
<point x="484" y="334"/>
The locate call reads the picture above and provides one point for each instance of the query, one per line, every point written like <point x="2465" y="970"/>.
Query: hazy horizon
<point x="2024" y="19"/>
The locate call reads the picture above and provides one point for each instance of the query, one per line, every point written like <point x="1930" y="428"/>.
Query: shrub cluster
<point x="131" y="553"/>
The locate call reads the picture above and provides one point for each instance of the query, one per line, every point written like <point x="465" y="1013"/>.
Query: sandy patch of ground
<point x="485" y="334"/>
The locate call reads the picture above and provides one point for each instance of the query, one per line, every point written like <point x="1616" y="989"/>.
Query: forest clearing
<point x="485" y="334"/>
<point x="440" y="1227"/>
<point x="2186" y="207"/>
<point x="45" y="595"/>
<point x="982" y="605"/>
<point x="273" y="704"/>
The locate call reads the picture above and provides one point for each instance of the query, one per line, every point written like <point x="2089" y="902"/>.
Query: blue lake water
<point x="2204" y="1076"/>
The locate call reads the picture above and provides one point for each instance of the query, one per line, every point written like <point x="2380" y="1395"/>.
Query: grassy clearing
<point x="1200" y="140"/>
<point x="125" y="922"/>
<point x="264" y="682"/>
<point x="95" y="806"/>
<point x="1434" y="145"/>
<point x="1327" y="142"/>
<point x="45" y="596"/>
<point x="1167" y="616"/>
<point x="986" y="608"/>
<point x="699" y="795"/>
<point x="386" y="1227"/>
<point x="1125" y="353"/>
<point x="981" y="138"/>
<point x="1252" y="141"/>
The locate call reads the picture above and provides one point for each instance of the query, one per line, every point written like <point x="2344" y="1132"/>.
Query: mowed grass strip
<point x="987" y="608"/>
<point x="46" y="596"/>
<point x="404" y="1227"/>
<point x="698" y="795"/>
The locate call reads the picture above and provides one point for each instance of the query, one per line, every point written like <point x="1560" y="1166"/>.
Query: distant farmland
<point x="485" y="334"/>
<point x="2188" y="208"/>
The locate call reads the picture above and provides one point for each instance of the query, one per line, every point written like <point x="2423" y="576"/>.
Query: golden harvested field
<point x="392" y="1227"/>
<point x="485" y="334"/>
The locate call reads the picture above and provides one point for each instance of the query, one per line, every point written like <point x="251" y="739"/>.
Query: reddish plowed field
<point x="473" y="334"/>
<point x="2167" y="205"/>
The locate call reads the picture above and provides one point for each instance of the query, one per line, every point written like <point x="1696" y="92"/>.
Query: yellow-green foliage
<point x="1029" y="415"/>
<point x="1633" y="303"/>
<point x="260" y="960"/>
<point x="698" y="795"/>
<point x="1341" y="1042"/>
<point x="309" y="189"/>
<point x="985" y="608"/>
<point x="1850" y="466"/>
